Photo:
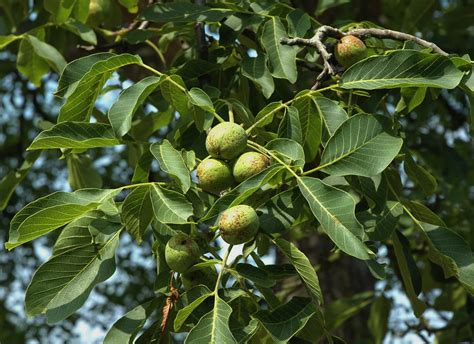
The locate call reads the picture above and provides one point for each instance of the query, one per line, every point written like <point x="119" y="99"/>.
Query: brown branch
<point x="396" y="35"/>
<point x="327" y="31"/>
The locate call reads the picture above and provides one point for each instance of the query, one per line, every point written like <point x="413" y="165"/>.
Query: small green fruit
<point x="214" y="175"/>
<point x="181" y="252"/>
<point x="239" y="224"/>
<point x="350" y="50"/>
<point x="248" y="165"/>
<point x="206" y="276"/>
<point x="226" y="141"/>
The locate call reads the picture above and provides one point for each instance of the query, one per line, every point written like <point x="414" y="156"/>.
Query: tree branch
<point x="328" y="31"/>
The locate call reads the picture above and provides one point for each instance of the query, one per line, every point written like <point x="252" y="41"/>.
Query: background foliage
<point x="212" y="71"/>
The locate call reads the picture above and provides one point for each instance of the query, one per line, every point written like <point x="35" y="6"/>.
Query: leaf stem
<point x="221" y="273"/>
<point x="157" y="51"/>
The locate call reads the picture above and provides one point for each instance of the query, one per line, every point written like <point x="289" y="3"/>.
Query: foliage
<point x="344" y="163"/>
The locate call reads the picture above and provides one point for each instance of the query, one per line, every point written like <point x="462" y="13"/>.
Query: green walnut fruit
<point x="206" y="276"/>
<point x="214" y="175"/>
<point x="248" y="165"/>
<point x="239" y="224"/>
<point x="350" y="50"/>
<point x="226" y="141"/>
<point x="181" y="252"/>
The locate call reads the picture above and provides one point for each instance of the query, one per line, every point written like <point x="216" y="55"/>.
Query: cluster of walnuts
<point x="229" y="163"/>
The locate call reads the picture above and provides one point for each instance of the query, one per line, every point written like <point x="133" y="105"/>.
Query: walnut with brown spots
<point x="350" y="50"/>
<point x="214" y="175"/>
<point x="248" y="165"/>
<point x="239" y="224"/>
<point x="226" y="141"/>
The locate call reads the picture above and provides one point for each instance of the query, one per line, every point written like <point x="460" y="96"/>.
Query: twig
<point x="399" y="36"/>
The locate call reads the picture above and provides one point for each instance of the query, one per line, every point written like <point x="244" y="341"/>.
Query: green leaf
<point x="213" y="327"/>
<point x="75" y="70"/>
<point x="9" y="183"/>
<point x="130" y="324"/>
<point x="76" y="233"/>
<point x="281" y="211"/>
<point x="62" y="284"/>
<point x="311" y="125"/>
<point x="255" y="68"/>
<point x="83" y="31"/>
<point x="122" y="111"/>
<point x="137" y="212"/>
<point x="290" y="126"/>
<point x="410" y="274"/>
<point x="81" y="173"/>
<point x="331" y="112"/>
<point x="6" y="40"/>
<point x="50" y="212"/>
<point x="60" y="9"/>
<point x="183" y="13"/>
<point x="173" y="90"/>
<point x="30" y="64"/>
<point x="170" y="206"/>
<point x="265" y="116"/>
<point x="287" y="320"/>
<point x="282" y="57"/>
<point x="419" y="175"/>
<point x="344" y="308"/>
<point x="304" y="268"/>
<point x="299" y="23"/>
<point x="447" y="248"/>
<point x="200" y="98"/>
<point x="289" y="149"/>
<point x="386" y="221"/>
<point x="360" y="146"/>
<point x="378" y="319"/>
<point x="184" y="313"/>
<point x="334" y="210"/>
<point x="172" y="162"/>
<point x="258" y="276"/>
<point x="402" y="68"/>
<point x="47" y="52"/>
<point x="75" y="135"/>
<point x="81" y="100"/>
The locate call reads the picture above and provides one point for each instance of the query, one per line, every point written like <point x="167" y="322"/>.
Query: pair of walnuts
<point x="228" y="163"/>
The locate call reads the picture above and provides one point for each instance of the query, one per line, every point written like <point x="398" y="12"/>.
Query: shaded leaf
<point x="290" y="126"/>
<point x="81" y="100"/>
<point x="402" y="68"/>
<point x="170" y="206"/>
<point x="129" y="325"/>
<point x="172" y="162"/>
<point x="287" y="320"/>
<point x="213" y="327"/>
<point x="75" y="135"/>
<point x="410" y="274"/>
<point x="66" y="280"/>
<point x="50" y="212"/>
<point x="334" y="210"/>
<point x="282" y="57"/>
<point x="183" y="12"/>
<point x="360" y="146"/>
<point x="81" y="173"/>
<point x="304" y="268"/>
<point x="137" y="212"/>
<point x="9" y="183"/>
<point x="255" y="68"/>
<point x="122" y="111"/>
